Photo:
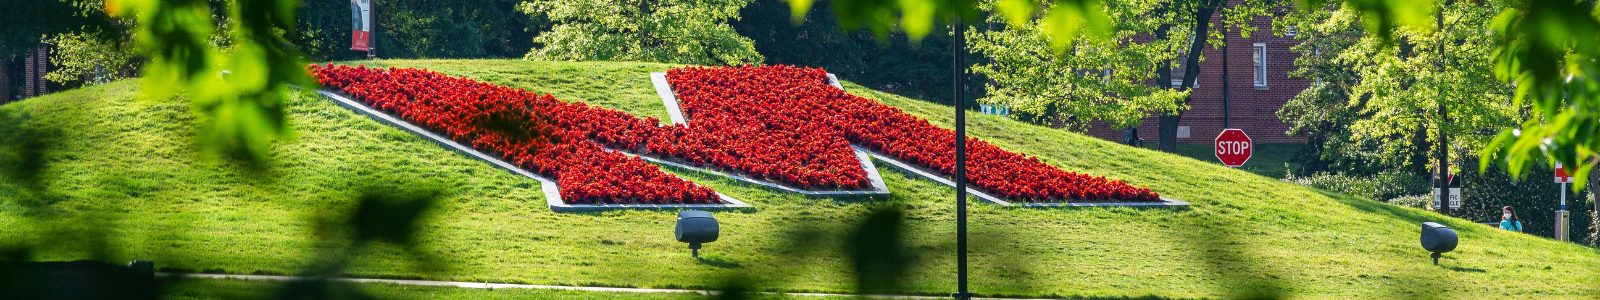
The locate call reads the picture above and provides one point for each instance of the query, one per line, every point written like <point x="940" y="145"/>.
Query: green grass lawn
<point x="121" y="181"/>
<point x="245" y="289"/>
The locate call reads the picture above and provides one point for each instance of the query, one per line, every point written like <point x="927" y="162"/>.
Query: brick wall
<point x="1253" y="109"/>
<point x="28" y="67"/>
<point x="41" y="57"/>
<point x="34" y="66"/>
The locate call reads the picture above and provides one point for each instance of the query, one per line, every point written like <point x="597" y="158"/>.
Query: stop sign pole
<point x="1233" y="147"/>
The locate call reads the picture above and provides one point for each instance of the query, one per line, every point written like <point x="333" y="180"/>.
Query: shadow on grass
<point x="1411" y="285"/>
<point x="1412" y="216"/>
<point x="719" y="261"/>
<point x="1232" y="263"/>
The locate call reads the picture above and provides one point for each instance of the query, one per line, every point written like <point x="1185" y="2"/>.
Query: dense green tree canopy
<point x="92" y="57"/>
<point x="1095" y="80"/>
<point x="669" y="31"/>
<point x="1374" y="99"/>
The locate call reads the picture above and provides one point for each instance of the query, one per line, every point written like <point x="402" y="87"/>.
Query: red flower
<point x="811" y="124"/>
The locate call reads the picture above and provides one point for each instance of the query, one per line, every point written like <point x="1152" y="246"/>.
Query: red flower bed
<point x="794" y="105"/>
<point x="536" y="132"/>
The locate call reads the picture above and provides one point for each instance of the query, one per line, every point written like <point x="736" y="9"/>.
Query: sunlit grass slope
<point x="119" y="180"/>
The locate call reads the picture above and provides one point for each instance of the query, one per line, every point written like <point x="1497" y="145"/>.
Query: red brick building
<point x="24" y="77"/>
<point x="1257" y="89"/>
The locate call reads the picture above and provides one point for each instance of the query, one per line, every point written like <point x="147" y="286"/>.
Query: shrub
<point x="1381" y="187"/>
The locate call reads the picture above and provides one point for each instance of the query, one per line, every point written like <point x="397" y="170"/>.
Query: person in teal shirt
<point x="1508" y="219"/>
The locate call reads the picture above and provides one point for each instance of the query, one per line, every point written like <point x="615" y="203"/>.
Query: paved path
<point x="484" y="285"/>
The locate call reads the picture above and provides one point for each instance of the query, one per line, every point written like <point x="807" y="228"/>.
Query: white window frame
<point x="1178" y="80"/>
<point x="1258" y="63"/>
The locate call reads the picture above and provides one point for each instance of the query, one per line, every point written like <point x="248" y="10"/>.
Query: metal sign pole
<point x="1563" y="217"/>
<point x="958" y="48"/>
<point x="372" y="33"/>
<point x="1561" y="228"/>
<point x="1225" y="83"/>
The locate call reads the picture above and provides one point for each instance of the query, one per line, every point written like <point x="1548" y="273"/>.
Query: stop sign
<point x="1233" y="147"/>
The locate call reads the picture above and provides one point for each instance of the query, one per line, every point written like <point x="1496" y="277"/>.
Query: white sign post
<point x="1562" y="215"/>
<point x="1455" y="189"/>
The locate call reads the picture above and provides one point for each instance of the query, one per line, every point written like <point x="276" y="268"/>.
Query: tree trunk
<point x="1168" y="124"/>
<point x="1594" y="188"/>
<point x="1166" y="138"/>
<point x="1167" y="128"/>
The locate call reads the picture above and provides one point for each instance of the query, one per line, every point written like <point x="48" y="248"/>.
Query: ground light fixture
<point x="1437" y="239"/>
<point x="696" y="227"/>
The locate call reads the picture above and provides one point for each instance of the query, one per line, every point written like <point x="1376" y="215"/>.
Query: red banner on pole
<point x="360" y="40"/>
<point x="361" y="33"/>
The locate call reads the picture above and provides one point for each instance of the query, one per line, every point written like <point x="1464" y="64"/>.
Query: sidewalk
<point x="485" y="285"/>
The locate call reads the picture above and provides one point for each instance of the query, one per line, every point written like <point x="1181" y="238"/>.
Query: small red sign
<point x="1562" y="176"/>
<point x="1455" y="168"/>
<point x="1233" y="147"/>
<point x="360" y="41"/>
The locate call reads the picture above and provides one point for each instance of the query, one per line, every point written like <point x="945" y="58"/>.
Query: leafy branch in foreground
<point x="1548" y="50"/>
<point x="239" y="90"/>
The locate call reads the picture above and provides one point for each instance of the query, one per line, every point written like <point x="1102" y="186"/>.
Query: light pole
<point x="1225" y="83"/>
<point x="957" y="49"/>
<point x="1441" y="182"/>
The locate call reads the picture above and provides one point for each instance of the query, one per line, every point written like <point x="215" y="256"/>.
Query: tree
<point x="1098" y="79"/>
<point x="1323" y="112"/>
<point x="668" y="31"/>
<point x="92" y="57"/>
<point x="1373" y="104"/>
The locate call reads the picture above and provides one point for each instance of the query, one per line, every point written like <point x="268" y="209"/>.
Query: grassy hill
<point x="119" y="181"/>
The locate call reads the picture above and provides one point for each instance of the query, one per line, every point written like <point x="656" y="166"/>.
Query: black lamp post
<point x="957" y="48"/>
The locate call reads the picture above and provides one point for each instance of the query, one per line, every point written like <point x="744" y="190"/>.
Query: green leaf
<point x="798" y="10"/>
<point x="1016" y="12"/>
<point x="917" y="17"/>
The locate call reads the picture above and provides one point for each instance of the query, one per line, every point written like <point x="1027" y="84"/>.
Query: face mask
<point x="1507" y="216"/>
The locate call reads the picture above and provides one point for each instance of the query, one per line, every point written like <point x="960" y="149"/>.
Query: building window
<point x="1259" y="61"/>
<point x="1182" y="65"/>
<point x="1178" y="69"/>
